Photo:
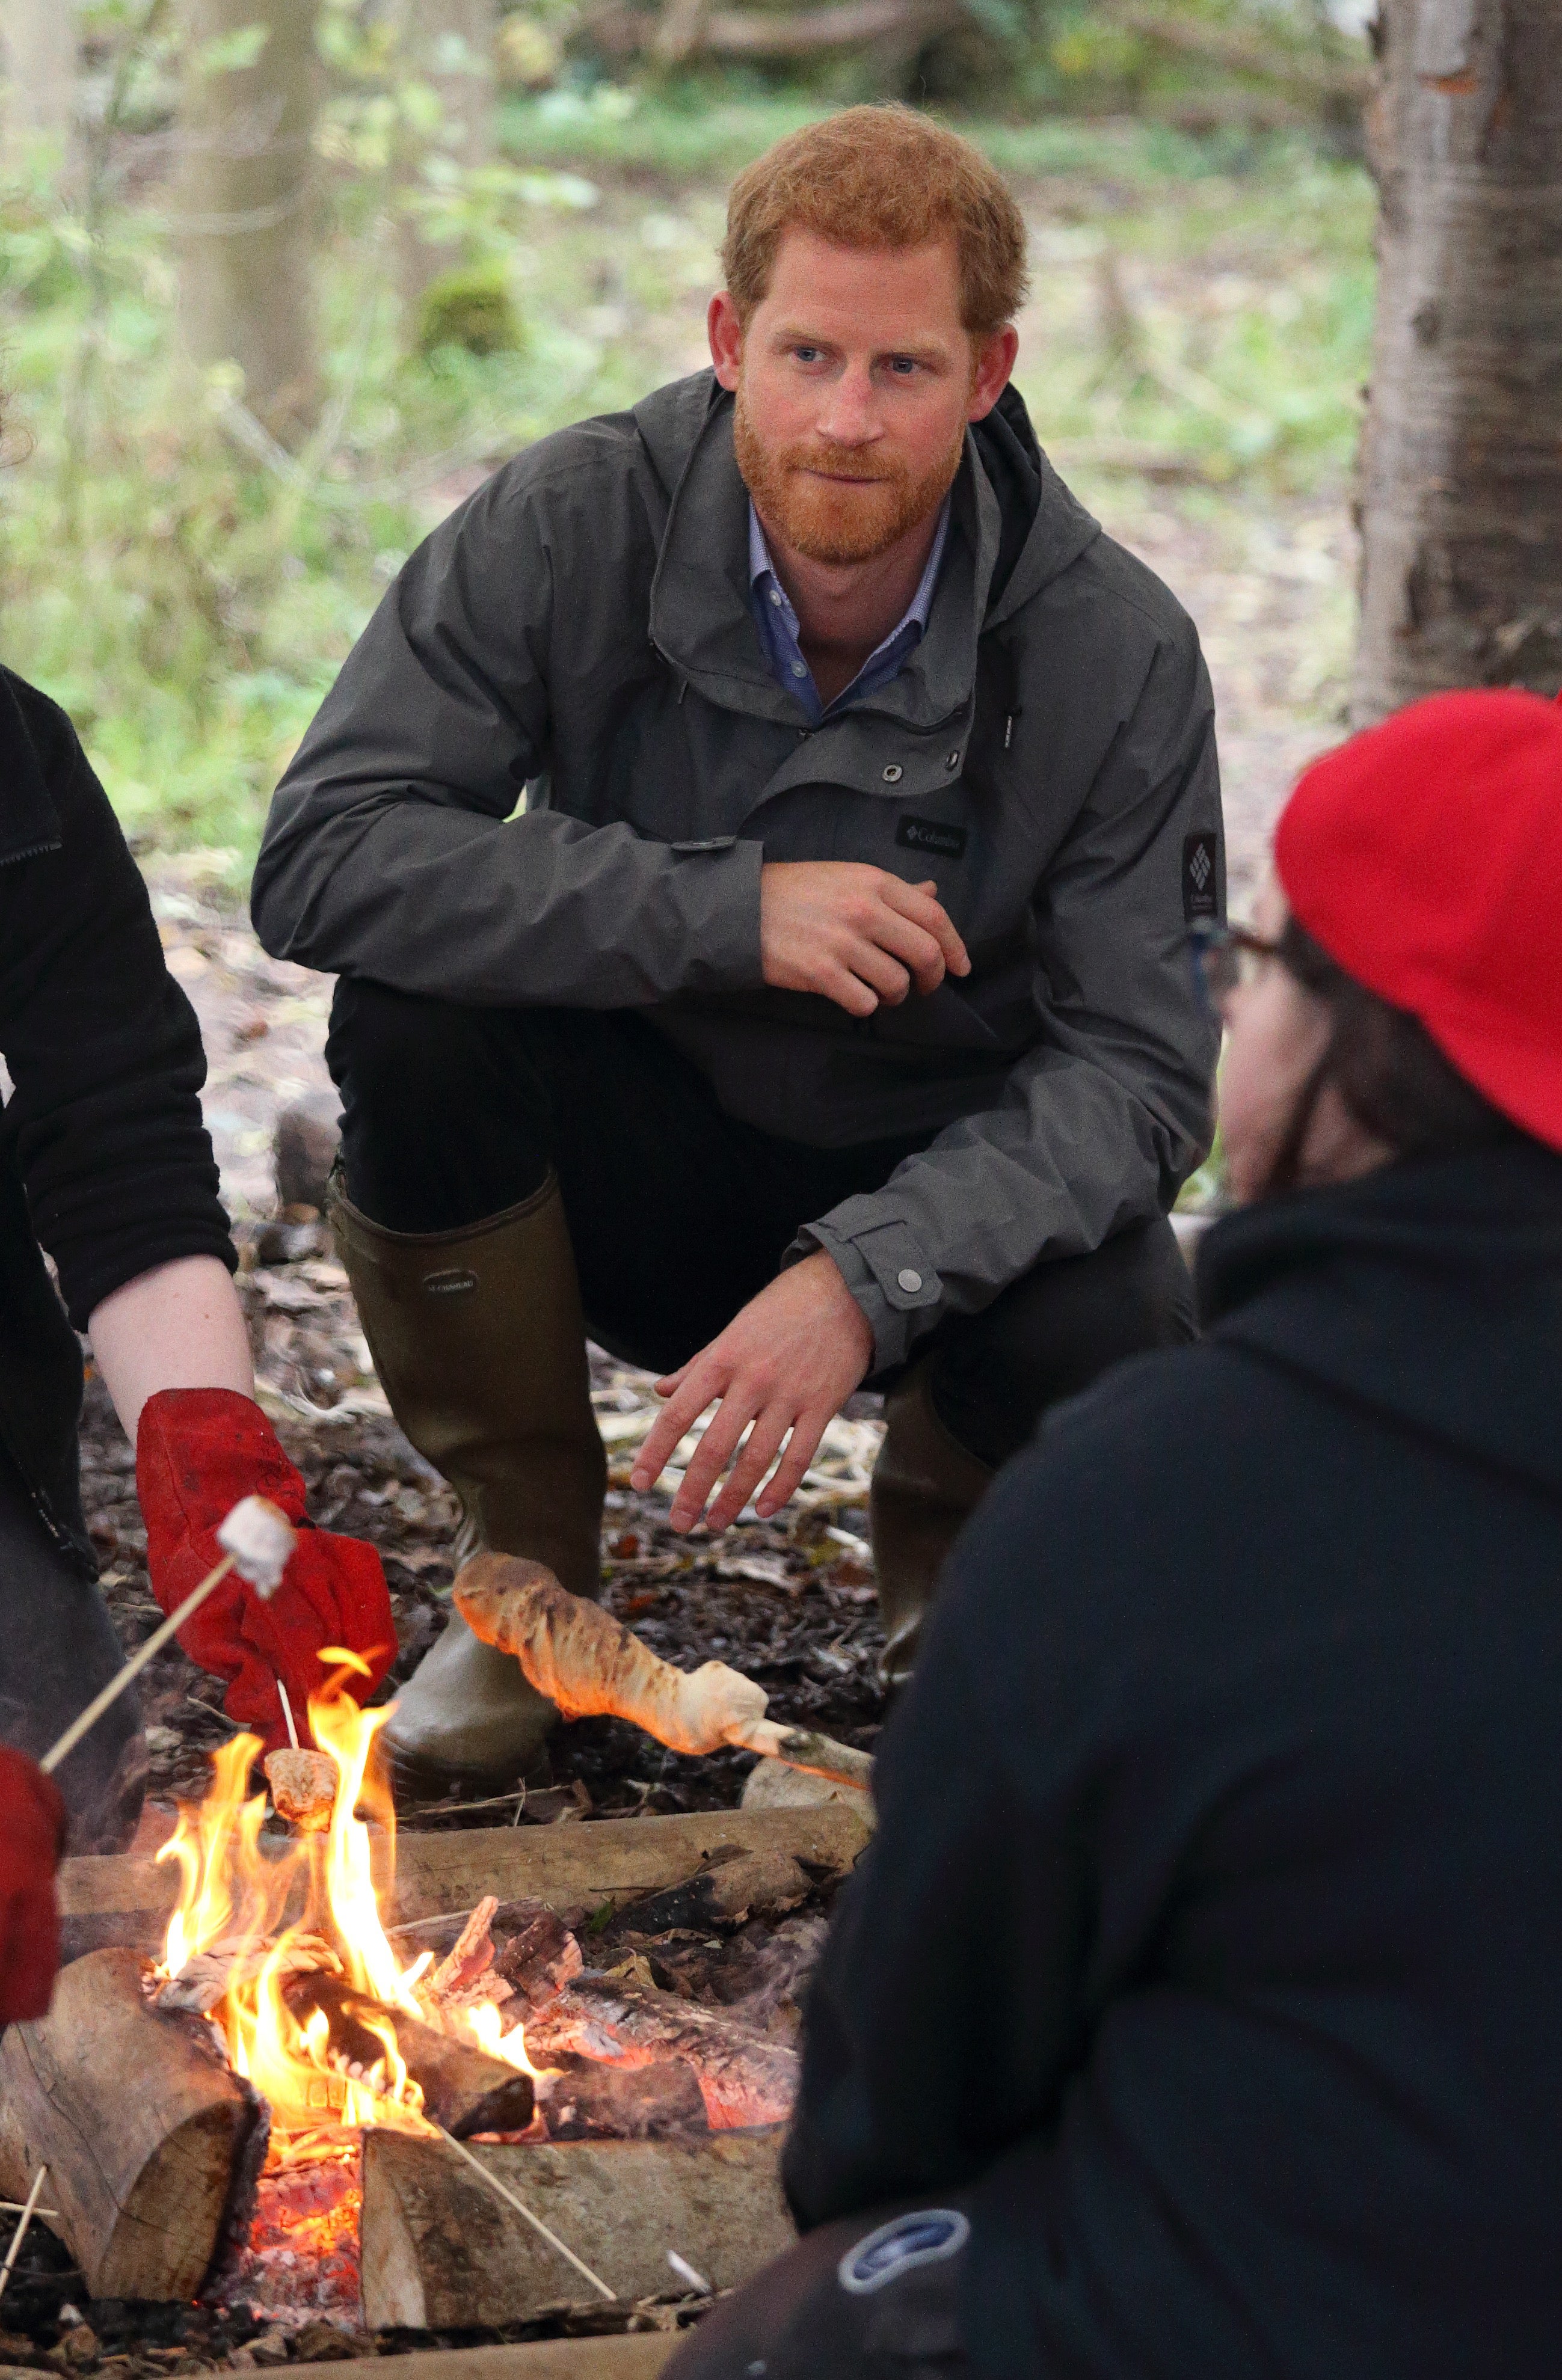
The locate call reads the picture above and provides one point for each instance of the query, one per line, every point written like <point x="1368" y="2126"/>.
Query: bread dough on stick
<point x="590" y="1666"/>
<point x="303" y="1788"/>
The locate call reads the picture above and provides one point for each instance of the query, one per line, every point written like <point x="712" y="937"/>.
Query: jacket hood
<point x="1429" y="1293"/>
<point x="1041" y="527"/>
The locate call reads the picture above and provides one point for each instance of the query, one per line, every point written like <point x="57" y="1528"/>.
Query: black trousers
<point x="57" y="1647"/>
<point x="678" y="1213"/>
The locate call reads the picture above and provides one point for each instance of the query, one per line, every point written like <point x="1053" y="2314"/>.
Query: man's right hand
<point x="857" y="934"/>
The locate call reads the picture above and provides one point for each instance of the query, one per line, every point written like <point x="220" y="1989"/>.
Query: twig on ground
<point x="28" y="2210"/>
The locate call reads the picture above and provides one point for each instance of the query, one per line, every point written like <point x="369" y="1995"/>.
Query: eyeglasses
<point x="1226" y="957"/>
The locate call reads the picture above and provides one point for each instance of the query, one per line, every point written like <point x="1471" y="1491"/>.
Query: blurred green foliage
<point x="187" y="590"/>
<point x="473" y="308"/>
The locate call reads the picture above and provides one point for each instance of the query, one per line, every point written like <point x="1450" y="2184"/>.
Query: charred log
<point x="583" y="2100"/>
<point x="745" y="2077"/>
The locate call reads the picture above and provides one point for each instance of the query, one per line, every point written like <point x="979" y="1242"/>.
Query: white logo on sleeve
<point x="923" y="2238"/>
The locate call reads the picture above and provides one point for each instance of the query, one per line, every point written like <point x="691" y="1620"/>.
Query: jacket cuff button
<point x="910" y="1281"/>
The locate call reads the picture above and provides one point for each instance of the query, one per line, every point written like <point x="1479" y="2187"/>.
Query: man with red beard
<point x="755" y="837"/>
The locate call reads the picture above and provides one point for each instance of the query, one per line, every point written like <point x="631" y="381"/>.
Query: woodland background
<point x="281" y="280"/>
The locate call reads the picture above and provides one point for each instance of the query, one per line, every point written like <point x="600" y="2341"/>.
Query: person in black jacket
<point x="105" y="1162"/>
<point x="1194" y="2014"/>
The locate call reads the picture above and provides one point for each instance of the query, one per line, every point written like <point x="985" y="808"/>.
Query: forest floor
<point x="1265" y="565"/>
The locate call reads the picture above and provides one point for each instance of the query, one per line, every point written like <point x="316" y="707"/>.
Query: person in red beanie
<point x="1194" y="2009"/>
<point x="105" y="1162"/>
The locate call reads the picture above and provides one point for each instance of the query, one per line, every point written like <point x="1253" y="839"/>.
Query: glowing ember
<point x="302" y="2257"/>
<point x="230" y="1950"/>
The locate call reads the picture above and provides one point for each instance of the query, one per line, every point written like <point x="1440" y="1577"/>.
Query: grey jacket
<point x="581" y="629"/>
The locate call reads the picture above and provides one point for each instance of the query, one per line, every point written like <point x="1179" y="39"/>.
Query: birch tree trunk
<point x="447" y="44"/>
<point x="1459" y="495"/>
<point x="243" y="199"/>
<point x="40" y="64"/>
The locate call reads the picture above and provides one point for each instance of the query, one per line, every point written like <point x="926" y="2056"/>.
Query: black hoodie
<point x="103" y="1157"/>
<point x="1212" y="1940"/>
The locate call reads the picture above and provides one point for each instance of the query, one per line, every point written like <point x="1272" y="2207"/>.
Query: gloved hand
<point x="32" y="1837"/>
<point x="197" y="1451"/>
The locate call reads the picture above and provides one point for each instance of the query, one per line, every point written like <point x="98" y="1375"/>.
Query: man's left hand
<point x="787" y="1362"/>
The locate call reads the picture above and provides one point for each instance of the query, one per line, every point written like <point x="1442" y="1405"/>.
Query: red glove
<point x="197" y="1452"/>
<point x="32" y="1837"/>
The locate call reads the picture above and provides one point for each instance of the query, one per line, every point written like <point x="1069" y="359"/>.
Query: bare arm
<point x="176" y="1327"/>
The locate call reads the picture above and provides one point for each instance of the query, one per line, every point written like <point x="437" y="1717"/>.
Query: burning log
<point x="589" y="1665"/>
<point x="151" y="2181"/>
<point x="541" y="1957"/>
<point x="464" y="2091"/>
<point x="439" y="2251"/>
<point x="746" y="2078"/>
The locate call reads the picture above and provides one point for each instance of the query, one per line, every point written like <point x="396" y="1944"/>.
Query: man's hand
<point x="787" y="1362"/>
<point x="857" y="934"/>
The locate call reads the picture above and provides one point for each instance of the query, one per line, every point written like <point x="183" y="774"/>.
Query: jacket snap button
<point x="893" y="773"/>
<point x="951" y="760"/>
<point x="910" y="1282"/>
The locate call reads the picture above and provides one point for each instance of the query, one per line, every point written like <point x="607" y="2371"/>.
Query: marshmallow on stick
<point x="590" y="1666"/>
<point x="256" y="1539"/>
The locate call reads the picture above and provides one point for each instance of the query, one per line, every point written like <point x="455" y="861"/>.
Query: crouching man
<point x="824" y="1014"/>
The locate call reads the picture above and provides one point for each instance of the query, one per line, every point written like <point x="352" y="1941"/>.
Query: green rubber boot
<point x="480" y="1343"/>
<point x="925" y="1487"/>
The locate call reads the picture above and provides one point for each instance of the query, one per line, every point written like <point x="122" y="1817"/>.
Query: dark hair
<point x="1389" y="1073"/>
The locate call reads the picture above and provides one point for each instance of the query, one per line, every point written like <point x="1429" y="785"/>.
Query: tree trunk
<point x="243" y="203"/>
<point x="448" y="44"/>
<point x="1460" y="484"/>
<point x="40" y="62"/>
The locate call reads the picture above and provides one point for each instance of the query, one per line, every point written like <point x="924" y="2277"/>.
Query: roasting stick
<point x="287" y="1715"/>
<point x="19" y="2234"/>
<point x="257" y="1539"/>
<point x="589" y="1665"/>
<point x="501" y="2191"/>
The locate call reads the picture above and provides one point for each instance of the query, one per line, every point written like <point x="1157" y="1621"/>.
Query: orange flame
<point x="234" y="1898"/>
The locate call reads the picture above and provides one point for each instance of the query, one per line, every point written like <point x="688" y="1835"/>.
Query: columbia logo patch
<point x="895" y="2248"/>
<point x="1200" y="876"/>
<point x="930" y="834"/>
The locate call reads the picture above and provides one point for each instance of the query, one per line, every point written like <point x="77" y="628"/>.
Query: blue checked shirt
<point x="778" y="626"/>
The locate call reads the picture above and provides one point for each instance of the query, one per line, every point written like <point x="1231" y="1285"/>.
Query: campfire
<point x="313" y="2012"/>
<point x="335" y="2031"/>
<point x="298" y="2105"/>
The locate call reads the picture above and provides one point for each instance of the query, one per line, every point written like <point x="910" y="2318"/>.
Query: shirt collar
<point x="916" y="613"/>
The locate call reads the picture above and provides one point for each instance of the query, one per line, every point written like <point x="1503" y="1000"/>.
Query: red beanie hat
<point x="1425" y="856"/>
